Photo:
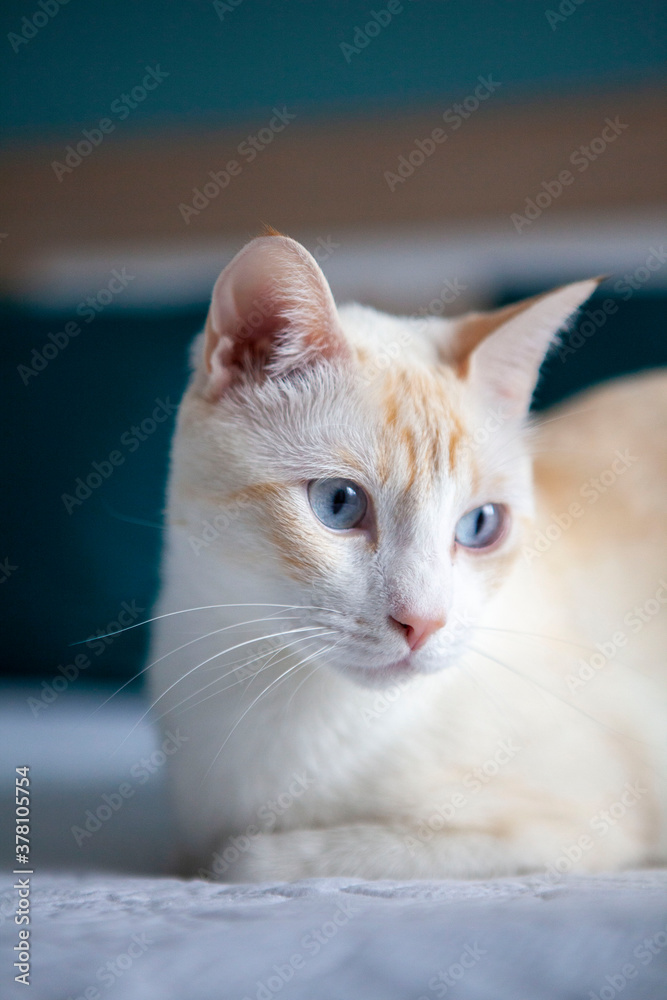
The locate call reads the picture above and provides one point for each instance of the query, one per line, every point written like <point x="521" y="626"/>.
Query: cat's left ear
<point x="272" y="312"/>
<point x="499" y="353"/>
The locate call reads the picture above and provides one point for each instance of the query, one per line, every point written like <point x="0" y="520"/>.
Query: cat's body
<point x="459" y="719"/>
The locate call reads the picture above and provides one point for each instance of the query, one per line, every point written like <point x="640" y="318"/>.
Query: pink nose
<point x="418" y="630"/>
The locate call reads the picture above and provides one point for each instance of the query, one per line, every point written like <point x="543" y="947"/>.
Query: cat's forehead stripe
<point x="421" y="424"/>
<point x="352" y="461"/>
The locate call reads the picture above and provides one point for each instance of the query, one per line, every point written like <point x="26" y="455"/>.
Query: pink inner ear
<point x="272" y="310"/>
<point x="250" y="342"/>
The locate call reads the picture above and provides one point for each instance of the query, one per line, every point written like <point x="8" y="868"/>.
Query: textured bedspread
<point x="106" y="936"/>
<point x="100" y="935"/>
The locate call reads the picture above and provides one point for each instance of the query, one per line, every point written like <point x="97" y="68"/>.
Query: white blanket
<point x="341" y="939"/>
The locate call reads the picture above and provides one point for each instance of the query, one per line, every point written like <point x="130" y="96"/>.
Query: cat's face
<point x="375" y="466"/>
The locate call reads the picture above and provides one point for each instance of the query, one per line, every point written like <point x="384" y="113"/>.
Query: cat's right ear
<point x="272" y="312"/>
<point x="500" y="352"/>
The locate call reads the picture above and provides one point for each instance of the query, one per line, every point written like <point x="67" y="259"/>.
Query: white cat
<point x="407" y="661"/>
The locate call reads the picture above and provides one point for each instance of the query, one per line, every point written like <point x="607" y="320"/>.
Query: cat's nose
<point x="418" y="629"/>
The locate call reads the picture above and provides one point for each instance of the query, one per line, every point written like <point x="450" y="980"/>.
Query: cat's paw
<point x="355" y="851"/>
<point x="270" y="857"/>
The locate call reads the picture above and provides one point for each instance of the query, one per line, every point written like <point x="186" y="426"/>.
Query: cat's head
<point x="370" y="471"/>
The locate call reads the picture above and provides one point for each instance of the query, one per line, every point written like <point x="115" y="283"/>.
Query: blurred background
<point x="434" y="155"/>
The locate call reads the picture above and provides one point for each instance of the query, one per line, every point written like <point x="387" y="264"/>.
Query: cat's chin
<point x="399" y="672"/>
<point x="402" y="671"/>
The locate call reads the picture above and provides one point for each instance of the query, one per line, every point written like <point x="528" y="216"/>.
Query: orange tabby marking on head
<point x="419" y="410"/>
<point x="350" y="460"/>
<point x="304" y="550"/>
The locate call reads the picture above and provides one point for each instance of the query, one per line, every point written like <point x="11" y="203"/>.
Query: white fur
<point x="353" y="770"/>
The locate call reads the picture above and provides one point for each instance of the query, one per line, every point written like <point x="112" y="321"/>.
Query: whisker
<point x="254" y="702"/>
<point x="246" y="661"/>
<point x="484" y="687"/>
<point x="528" y="434"/>
<point x="130" y="519"/>
<point x="536" y="422"/>
<point x="300" y="685"/>
<point x="207" y="607"/>
<point x="545" y="690"/>
<point x="197" y="638"/>
<point x="309" y="675"/>
<point x="534" y="635"/>
<point x="308" y="628"/>
<point x="285" y="648"/>
<point x="228" y="687"/>
<point x="568" y="642"/>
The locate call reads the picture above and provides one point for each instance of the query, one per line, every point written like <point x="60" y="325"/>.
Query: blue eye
<point x="481" y="527"/>
<point x="338" y="503"/>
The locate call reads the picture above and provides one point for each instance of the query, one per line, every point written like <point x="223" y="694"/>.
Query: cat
<point x="403" y="632"/>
